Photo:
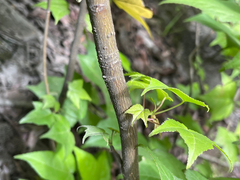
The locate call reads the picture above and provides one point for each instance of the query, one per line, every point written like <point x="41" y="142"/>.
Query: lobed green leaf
<point x="76" y="92"/>
<point x="61" y="133"/>
<point x="163" y="163"/>
<point x="55" y="86"/>
<point x="139" y="112"/>
<point x="197" y="143"/>
<point x="140" y="81"/>
<point x="186" y="98"/>
<point x="39" y="116"/>
<point x="50" y="102"/>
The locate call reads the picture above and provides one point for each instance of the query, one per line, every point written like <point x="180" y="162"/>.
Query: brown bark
<point x="110" y="64"/>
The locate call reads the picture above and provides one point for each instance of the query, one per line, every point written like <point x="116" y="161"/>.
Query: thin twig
<point x="74" y="51"/>
<point x="115" y="153"/>
<point x="45" y="47"/>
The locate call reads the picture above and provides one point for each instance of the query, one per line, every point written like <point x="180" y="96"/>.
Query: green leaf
<point x="136" y="85"/>
<point x="140" y="81"/>
<point x="104" y="168"/>
<point x="39" y="117"/>
<point x="69" y="161"/>
<point x="148" y="170"/>
<point x="76" y="92"/>
<point x="61" y="133"/>
<point x="72" y="114"/>
<point x="91" y="168"/>
<point x="139" y="112"/>
<point x="94" y="131"/>
<point x="162" y="94"/>
<point x="225" y="139"/>
<point x="222" y="178"/>
<point x="105" y="124"/>
<point x="225" y="11"/>
<point x="91" y="118"/>
<point x="232" y="40"/>
<point x="59" y="8"/>
<point x="88" y="23"/>
<point x="168" y="167"/>
<point x="205" y="169"/>
<point x="186" y="98"/>
<point x="190" y="175"/>
<point x="197" y="143"/>
<point x="125" y="62"/>
<point x="163" y="144"/>
<point x="55" y="86"/>
<point x="154" y="84"/>
<point x="195" y="92"/>
<point x="233" y="64"/>
<point x="91" y="70"/>
<point x="190" y="123"/>
<point x="220" y="99"/>
<point x="50" y="102"/>
<point x="47" y="164"/>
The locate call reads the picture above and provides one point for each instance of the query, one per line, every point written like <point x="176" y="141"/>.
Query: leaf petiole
<point x="169" y="108"/>
<point x="160" y="104"/>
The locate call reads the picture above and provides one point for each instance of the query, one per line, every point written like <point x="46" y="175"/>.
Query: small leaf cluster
<point x="146" y="83"/>
<point x="196" y="142"/>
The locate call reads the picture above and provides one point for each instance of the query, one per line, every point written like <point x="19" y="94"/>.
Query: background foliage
<point x="68" y="161"/>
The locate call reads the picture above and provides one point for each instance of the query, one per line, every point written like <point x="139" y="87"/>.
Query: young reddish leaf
<point x="197" y="143"/>
<point x="139" y="112"/>
<point x="136" y="9"/>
